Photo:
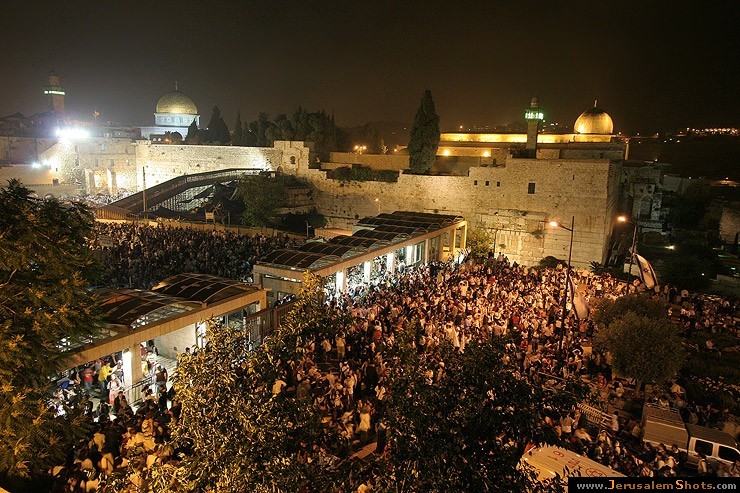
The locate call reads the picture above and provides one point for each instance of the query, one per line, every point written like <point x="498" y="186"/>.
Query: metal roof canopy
<point x="202" y="288"/>
<point x="298" y="259"/>
<point x="380" y="235"/>
<point x="127" y="306"/>
<point x="410" y="230"/>
<point x="327" y="248"/>
<point x="369" y="243"/>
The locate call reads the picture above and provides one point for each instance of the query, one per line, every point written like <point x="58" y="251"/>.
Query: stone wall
<point x="374" y="161"/>
<point x="729" y="223"/>
<point x="164" y="162"/>
<point x="497" y="198"/>
<point x="97" y="164"/>
<point x="43" y="180"/>
<point x="110" y="165"/>
<point x="22" y="149"/>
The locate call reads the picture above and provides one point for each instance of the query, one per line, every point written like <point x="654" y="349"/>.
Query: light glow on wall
<point x="72" y="133"/>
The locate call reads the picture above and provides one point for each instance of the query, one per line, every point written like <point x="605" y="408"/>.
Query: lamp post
<point x="556" y="224"/>
<point x="633" y="250"/>
<point x="143" y="189"/>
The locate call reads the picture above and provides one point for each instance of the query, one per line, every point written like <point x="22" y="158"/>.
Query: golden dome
<point x="594" y="121"/>
<point x="176" y="103"/>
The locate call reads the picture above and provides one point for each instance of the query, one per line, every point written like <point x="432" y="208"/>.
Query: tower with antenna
<point x="534" y="116"/>
<point x="55" y="94"/>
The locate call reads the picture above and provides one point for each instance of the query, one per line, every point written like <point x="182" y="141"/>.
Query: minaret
<point x="533" y="115"/>
<point x="55" y="93"/>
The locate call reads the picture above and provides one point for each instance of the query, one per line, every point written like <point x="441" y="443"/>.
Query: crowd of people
<point x="121" y="448"/>
<point x="476" y="301"/>
<point x="140" y="256"/>
<point x="346" y="373"/>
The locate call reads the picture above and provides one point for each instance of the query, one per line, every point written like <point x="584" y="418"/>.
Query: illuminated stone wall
<point x="497" y="198"/>
<point x="164" y="162"/>
<point x="95" y="165"/>
<point x="16" y="150"/>
<point x="108" y="165"/>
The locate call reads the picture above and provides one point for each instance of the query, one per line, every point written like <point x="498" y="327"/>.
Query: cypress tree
<point x="424" y="135"/>
<point x="238" y="139"/>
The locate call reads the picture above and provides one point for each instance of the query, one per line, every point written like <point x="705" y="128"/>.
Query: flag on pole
<point x="647" y="273"/>
<point x="579" y="305"/>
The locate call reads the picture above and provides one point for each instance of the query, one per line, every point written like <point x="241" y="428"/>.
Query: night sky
<point x="653" y="65"/>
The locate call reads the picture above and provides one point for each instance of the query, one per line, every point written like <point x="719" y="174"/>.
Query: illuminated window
<point x="530" y="188"/>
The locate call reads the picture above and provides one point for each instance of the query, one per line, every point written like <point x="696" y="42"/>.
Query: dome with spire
<point x="176" y="103"/>
<point x="594" y="121"/>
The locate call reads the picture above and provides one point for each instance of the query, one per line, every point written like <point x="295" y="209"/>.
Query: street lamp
<point x="557" y="224"/>
<point x="633" y="250"/>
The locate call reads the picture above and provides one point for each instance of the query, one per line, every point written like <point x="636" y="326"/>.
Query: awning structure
<point x="371" y="233"/>
<point x="202" y="288"/>
<point x="134" y="307"/>
<point x="297" y="259"/>
<point x="329" y="248"/>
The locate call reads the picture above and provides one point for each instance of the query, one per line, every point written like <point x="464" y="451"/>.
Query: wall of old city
<point x="498" y="199"/>
<point x="95" y="165"/>
<point x="22" y="149"/>
<point x="164" y="162"/>
<point x="729" y="223"/>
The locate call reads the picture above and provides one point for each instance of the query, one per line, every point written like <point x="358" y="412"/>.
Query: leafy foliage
<point x="468" y="430"/>
<point x="262" y="196"/>
<point x="362" y="173"/>
<point x="642" y="347"/>
<point x="607" y="311"/>
<point x="424" y="136"/>
<point x="45" y="310"/>
<point x="242" y="436"/>
<point x="217" y="132"/>
<point x="193" y="136"/>
<point x="480" y="241"/>
<point x="317" y="127"/>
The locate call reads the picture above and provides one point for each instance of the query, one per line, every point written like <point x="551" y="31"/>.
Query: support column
<point x="132" y="372"/>
<point x="367" y="268"/>
<point x="464" y="237"/>
<point x="112" y="184"/>
<point x="426" y="251"/>
<point x="453" y="244"/>
<point x="341" y="282"/>
<point x="390" y="262"/>
<point x="409" y="255"/>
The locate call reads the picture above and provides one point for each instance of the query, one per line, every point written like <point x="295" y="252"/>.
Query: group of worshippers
<point x="140" y="256"/>
<point x="346" y="375"/>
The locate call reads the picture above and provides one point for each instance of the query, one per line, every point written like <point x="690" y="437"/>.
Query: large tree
<point x="243" y="437"/>
<point x="193" y="136"/>
<point x="218" y="131"/>
<point x="238" y="139"/>
<point x="466" y="430"/>
<point x="262" y="196"/>
<point x="642" y="341"/>
<point x="46" y="312"/>
<point x="424" y="135"/>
